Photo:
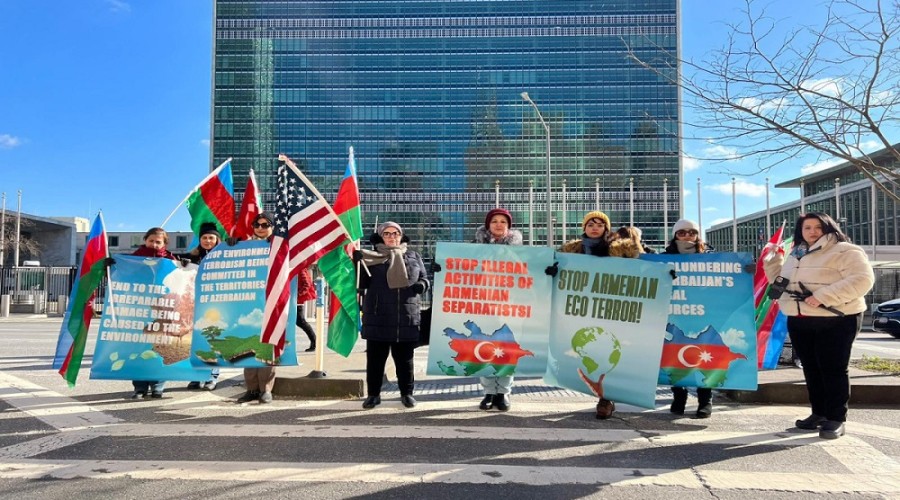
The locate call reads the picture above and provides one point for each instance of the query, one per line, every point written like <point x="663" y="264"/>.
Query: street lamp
<point x="527" y="99"/>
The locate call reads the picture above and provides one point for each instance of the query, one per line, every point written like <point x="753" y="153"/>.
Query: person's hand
<point x="231" y="241"/>
<point x="552" y="270"/>
<point x="357" y="256"/>
<point x="750" y="268"/>
<point x="418" y="288"/>
<point x="109" y="261"/>
<point x="435" y="267"/>
<point x="185" y="262"/>
<point x="812" y="301"/>
<point x="672" y="273"/>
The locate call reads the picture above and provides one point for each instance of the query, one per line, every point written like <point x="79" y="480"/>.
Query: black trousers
<point x="704" y="394"/>
<point x="376" y="357"/>
<point x="305" y="326"/>
<point x="823" y="346"/>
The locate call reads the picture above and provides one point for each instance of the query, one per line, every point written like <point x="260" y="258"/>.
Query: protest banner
<point x="607" y="328"/>
<point x="711" y="333"/>
<point x="490" y="311"/>
<point x="145" y="330"/>
<point x="228" y="316"/>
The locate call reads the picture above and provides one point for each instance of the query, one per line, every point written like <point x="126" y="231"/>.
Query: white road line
<point x="52" y="408"/>
<point x="44" y="445"/>
<point x="805" y="482"/>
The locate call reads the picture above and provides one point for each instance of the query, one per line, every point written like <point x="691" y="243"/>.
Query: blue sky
<point x="105" y="104"/>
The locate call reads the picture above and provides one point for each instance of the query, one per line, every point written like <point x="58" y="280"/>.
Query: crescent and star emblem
<point x="477" y="352"/>
<point x="681" y="356"/>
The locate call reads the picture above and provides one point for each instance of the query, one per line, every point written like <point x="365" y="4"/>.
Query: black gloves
<point x="231" y="241"/>
<point x="185" y="262"/>
<point x="418" y="288"/>
<point x="109" y="261"/>
<point x="357" y="256"/>
<point x="552" y="270"/>
<point x="435" y="267"/>
<point x="672" y="272"/>
<point x="750" y="268"/>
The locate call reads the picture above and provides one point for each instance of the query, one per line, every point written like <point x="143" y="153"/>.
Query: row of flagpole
<point x="3" y="229"/>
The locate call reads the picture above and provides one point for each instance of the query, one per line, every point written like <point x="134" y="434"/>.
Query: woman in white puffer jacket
<point x="827" y="279"/>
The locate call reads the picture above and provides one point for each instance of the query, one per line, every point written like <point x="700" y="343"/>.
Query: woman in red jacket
<point x="306" y="291"/>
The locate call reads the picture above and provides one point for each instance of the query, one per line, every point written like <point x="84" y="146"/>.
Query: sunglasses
<point x="692" y="232"/>
<point x="390" y="234"/>
<point x="264" y="225"/>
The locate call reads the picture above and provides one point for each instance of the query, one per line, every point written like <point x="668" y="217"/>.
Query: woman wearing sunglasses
<point x="686" y="240"/>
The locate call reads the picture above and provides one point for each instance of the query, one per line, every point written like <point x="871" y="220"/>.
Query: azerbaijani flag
<point x="75" y="325"/>
<point x="338" y="270"/>
<point x="213" y="201"/>
<point x="771" y="325"/>
<point x="251" y="206"/>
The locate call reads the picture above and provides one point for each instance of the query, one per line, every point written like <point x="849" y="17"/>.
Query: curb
<point x="314" y="386"/>
<point x="795" y="394"/>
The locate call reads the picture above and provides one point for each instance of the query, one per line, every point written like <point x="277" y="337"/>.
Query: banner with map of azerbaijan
<point x="145" y="330"/>
<point x="490" y="313"/>
<point x="231" y="298"/>
<point x="711" y="332"/>
<point x="607" y="328"/>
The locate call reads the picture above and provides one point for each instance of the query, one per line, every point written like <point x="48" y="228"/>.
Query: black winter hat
<point x="208" y="228"/>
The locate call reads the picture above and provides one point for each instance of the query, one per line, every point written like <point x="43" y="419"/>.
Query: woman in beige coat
<point x="822" y="285"/>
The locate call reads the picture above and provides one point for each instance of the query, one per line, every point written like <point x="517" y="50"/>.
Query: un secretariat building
<point x="429" y="93"/>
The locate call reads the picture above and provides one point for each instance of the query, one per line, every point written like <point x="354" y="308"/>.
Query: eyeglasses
<point x="264" y="225"/>
<point x="692" y="232"/>
<point x="390" y="234"/>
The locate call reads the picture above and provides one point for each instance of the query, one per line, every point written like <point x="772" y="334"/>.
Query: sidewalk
<point x="346" y="378"/>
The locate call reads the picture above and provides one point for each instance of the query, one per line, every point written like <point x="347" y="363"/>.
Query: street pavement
<point x="90" y="442"/>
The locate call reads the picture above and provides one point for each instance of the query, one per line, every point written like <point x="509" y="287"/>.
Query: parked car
<point x="886" y="318"/>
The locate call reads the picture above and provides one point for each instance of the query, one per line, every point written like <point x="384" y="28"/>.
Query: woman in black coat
<point x="391" y="310"/>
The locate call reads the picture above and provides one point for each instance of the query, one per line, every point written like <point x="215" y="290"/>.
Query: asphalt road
<point x="91" y="442"/>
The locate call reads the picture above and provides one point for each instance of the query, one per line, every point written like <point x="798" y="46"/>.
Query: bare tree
<point x="773" y="94"/>
<point x="27" y="246"/>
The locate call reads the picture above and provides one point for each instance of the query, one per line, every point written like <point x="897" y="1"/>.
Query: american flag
<point x="306" y="228"/>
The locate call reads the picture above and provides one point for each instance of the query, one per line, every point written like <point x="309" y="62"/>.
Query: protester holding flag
<point x="595" y="240"/>
<point x="155" y="242"/>
<point x="391" y="310"/>
<point x="821" y="286"/>
<point x="260" y="381"/>
<point x="497" y="230"/>
<point x="209" y="238"/>
<point x="686" y="240"/>
<point x="306" y="291"/>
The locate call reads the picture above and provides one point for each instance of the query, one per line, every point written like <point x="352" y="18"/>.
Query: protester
<point x="155" y="242"/>
<point x="391" y="310"/>
<point x="209" y="238"/>
<point x="596" y="239"/>
<point x="306" y="291"/>
<point x="260" y="381"/>
<point x="686" y="240"/>
<point x="822" y="284"/>
<point x="497" y="231"/>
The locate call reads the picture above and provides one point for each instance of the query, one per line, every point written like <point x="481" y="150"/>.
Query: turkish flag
<point x="251" y="206"/>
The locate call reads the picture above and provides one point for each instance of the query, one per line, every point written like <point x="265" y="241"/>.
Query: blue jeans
<point x="148" y="386"/>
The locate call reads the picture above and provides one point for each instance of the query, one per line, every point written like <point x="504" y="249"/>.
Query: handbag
<point x="424" y="327"/>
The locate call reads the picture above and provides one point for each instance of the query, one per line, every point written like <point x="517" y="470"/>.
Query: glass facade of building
<point x="428" y="93"/>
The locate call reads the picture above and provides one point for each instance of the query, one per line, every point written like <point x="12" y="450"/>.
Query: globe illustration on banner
<point x="598" y="349"/>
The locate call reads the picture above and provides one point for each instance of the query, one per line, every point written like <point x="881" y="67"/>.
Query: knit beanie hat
<point x="596" y="214"/>
<point x="685" y="225"/>
<point x="208" y="228"/>
<point x="498" y="211"/>
<point x="388" y="224"/>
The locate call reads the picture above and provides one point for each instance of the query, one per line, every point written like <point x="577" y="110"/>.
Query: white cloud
<point x="826" y="86"/>
<point x="742" y="188"/>
<point x="719" y="221"/>
<point x="686" y="192"/>
<point x="690" y="163"/>
<point x="810" y="168"/>
<point x="204" y="142"/>
<point x="205" y="322"/>
<point x="255" y="318"/>
<point x="9" y="141"/>
<point x="118" y="6"/>
<point x="870" y="146"/>
<point x="711" y="209"/>
<point x="757" y="105"/>
<point x="735" y="338"/>
<point x="718" y="152"/>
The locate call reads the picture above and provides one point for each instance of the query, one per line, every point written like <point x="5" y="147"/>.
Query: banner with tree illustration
<point x="490" y="313"/>
<point x="228" y="316"/>
<point x="711" y="331"/>
<point x="606" y="332"/>
<point x="145" y="330"/>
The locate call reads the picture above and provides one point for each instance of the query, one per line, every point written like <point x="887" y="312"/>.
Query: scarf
<point x="686" y="246"/>
<point x="594" y="246"/>
<point x="145" y="251"/>
<point x="393" y="256"/>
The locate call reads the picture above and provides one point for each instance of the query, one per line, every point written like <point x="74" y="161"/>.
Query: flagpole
<point x="665" y="209"/>
<point x="768" y="211"/>
<point x="208" y="177"/>
<point x="564" y="208"/>
<point x="531" y="212"/>
<point x="734" y="233"/>
<point x="18" y="230"/>
<point x="293" y="166"/>
<point x="630" y="202"/>
<point x="699" y="206"/>
<point x="3" y="231"/>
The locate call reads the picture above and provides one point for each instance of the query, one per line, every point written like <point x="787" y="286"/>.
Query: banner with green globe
<point x="608" y="326"/>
